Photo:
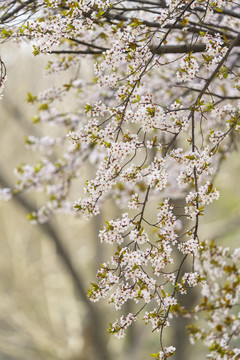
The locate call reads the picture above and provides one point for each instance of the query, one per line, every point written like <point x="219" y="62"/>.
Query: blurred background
<point x="45" y="270"/>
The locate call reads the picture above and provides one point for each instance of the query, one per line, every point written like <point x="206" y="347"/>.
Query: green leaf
<point x="190" y="157"/>
<point x="88" y="108"/>
<point x="31" y="217"/>
<point x="135" y="22"/>
<point x="27" y="140"/>
<point x="43" y="107"/>
<point x="31" y="98"/>
<point x="132" y="46"/>
<point x="6" y="33"/>
<point x="36" y="50"/>
<point x="35" y="119"/>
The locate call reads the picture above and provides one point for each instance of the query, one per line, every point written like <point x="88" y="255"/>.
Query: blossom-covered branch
<point x="155" y="122"/>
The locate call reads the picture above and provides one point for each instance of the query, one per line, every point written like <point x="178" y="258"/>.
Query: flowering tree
<point x="156" y="122"/>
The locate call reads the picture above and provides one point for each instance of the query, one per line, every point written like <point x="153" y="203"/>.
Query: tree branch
<point x="15" y="11"/>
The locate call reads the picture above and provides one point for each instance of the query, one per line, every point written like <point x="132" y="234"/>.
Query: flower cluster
<point x="219" y="300"/>
<point x="189" y="68"/>
<point x="114" y="229"/>
<point x="189" y="247"/>
<point x="216" y="48"/>
<point x="118" y="327"/>
<point x="196" y="201"/>
<point x="195" y="162"/>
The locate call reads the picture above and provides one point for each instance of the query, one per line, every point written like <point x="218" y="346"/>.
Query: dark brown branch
<point x="223" y="12"/>
<point x="160" y="4"/>
<point x="179" y="49"/>
<point x="88" y="44"/>
<point x="165" y="49"/>
<point x="15" y="11"/>
<point x="210" y="93"/>
<point x="77" y="52"/>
